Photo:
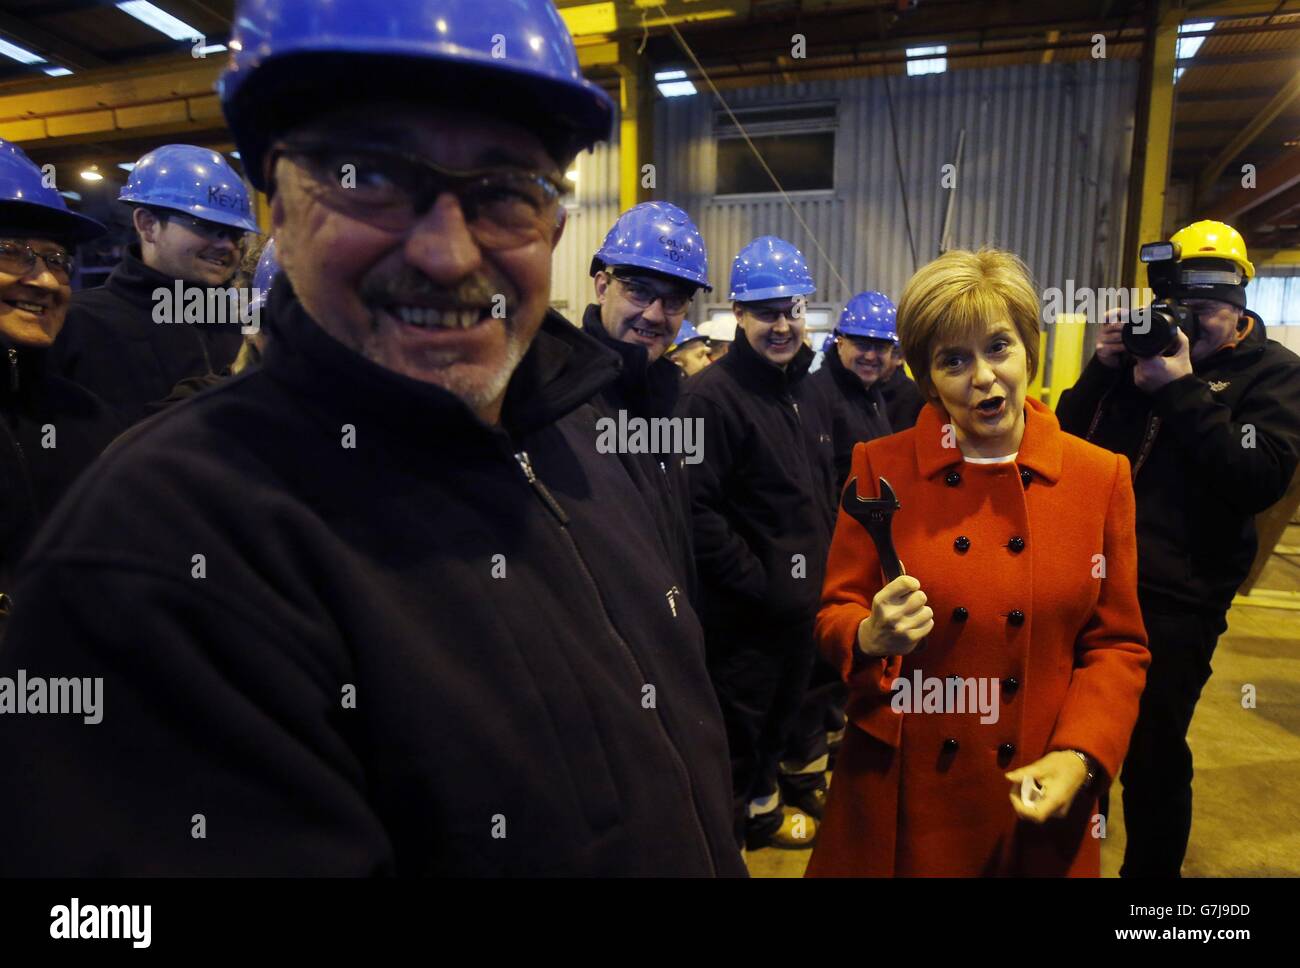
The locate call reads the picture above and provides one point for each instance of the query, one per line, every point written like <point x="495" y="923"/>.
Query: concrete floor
<point x="1246" y="819"/>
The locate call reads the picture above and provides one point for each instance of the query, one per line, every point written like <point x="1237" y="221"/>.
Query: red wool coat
<point x="923" y="793"/>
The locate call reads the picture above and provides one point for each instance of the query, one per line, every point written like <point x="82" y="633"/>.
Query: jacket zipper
<point x="203" y="345"/>
<point x="562" y="518"/>
<point x="12" y="433"/>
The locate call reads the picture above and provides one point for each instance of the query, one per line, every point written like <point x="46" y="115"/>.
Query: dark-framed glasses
<point x="642" y="295"/>
<point x="504" y="207"/>
<point x="19" y="258"/>
<point x="212" y="231"/>
<point x="864" y="344"/>
<point x="770" y="316"/>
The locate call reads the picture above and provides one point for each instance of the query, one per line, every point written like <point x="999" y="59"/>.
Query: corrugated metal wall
<point x="593" y="207"/>
<point x="1044" y="173"/>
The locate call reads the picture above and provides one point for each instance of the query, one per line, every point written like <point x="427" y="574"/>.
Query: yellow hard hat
<point x="1213" y="240"/>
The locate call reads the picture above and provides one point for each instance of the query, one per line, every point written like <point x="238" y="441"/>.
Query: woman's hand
<point x="1060" y="774"/>
<point x="899" y="619"/>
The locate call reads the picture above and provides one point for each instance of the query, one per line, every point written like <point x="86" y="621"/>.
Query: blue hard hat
<point x="267" y="266"/>
<point x="869" y="314"/>
<point x="687" y="334"/>
<point x="658" y="236"/>
<point x="196" y="181"/>
<point x="769" y="268"/>
<point x="29" y="205"/>
<point x="828" y="343"/>
<point x="505" y="57"/>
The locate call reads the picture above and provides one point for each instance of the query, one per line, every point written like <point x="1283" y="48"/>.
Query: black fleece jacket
<point x="649" y="390"/>
<point x="112" y="346"/>
<point x="1209" y="451"/>
<point x="765" y="491"/>
<point x="407" y="647"/>
<point x="51" y="431"/>
<point x="859" y="412"/>
<point x="903" y="400"/>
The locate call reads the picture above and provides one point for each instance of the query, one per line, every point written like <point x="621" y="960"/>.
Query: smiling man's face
<point x="642" y="307"/>
<point x="182" y="247"/>
<point x="33" y="303"/>
<point x="428" y="300"/>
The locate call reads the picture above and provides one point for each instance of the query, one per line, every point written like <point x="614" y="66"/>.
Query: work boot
<point x="795" y="831"/>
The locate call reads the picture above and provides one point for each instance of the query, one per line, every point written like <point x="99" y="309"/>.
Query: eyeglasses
<point x="212" y="231"/>
<point x="19" y="258"/>
<point x="504" y="208"/>
<point x="770" y="317"/>
<point x="864" y="343"/>
<point x="642" y="295"/>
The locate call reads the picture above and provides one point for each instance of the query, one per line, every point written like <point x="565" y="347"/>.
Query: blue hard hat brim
<point x="661" y="266"/>
<point x="868" y="333"/>
<point x="202" y="212"/>
<point x="61" y="224"/>
<point x="285" y="90"/>
<point x="772" y="292"/>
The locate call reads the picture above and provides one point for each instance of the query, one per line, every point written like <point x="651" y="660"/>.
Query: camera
<point x="1153" y="330"/>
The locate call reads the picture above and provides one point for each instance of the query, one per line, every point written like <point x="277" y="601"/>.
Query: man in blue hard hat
<point x="691" y="350"/>
<point x="646" y="273"/>
<point x="763" y="503"/>
<point x="852" y="368"/>
<point x="53" y="428"/>
<point x="378" y="607"/>
<point x="130" y="340"/>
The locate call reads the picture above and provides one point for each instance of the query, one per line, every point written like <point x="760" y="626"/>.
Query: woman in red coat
<point x="993" y="687"/>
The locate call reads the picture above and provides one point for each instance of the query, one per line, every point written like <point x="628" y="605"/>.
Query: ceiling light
<point x="20" y="54"/>
<point x="92" y="174"/>
<point x="160" y="20"/>
<point x="57" y="71"/>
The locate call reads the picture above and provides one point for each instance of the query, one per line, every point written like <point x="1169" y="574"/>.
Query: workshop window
<point x="796" y="141"/>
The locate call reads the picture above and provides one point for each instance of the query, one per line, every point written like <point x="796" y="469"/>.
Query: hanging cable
<point x="757" y="154"/>
<point x="898" y="157"/>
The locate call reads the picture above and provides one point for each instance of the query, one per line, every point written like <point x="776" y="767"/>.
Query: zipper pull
<point x="547" y="498"/>
<point x="795" y="403"/>
<point x="672" y="599"/>
<point x="13" y="370"/>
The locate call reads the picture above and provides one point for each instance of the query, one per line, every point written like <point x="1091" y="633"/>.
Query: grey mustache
<point x="474" y="291"/>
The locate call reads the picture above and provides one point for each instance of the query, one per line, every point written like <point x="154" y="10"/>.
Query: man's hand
<point x="1110" y="347"/>
<point x="899" y="619"/>
<point x="1150" y="375"/>
<point x="1060" y="774"/>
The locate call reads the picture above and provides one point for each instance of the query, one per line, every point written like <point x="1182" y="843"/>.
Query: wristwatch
<point x="1087" y="765"/>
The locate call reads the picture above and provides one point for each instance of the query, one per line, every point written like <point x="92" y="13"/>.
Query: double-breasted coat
<point x="1030" y="568"/>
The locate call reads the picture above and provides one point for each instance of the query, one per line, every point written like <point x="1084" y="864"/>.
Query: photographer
<point x="1207" y="409"/>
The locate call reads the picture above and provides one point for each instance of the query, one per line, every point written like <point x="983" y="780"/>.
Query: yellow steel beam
<point x="590" y="18"/>
<point x="1067" y="354"/>
<point x="1277" y="257"/>
<point x="636" y="125"/>
<point x="1052" y="37"/>
<point x="1160" y="123"/>
<point x="175" y="97"/>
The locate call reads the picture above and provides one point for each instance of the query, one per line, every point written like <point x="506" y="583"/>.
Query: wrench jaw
<point x="876" y="515"/>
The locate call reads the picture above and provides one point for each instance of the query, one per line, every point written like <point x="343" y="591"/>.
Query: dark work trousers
<point x="760" y="674"/>
<point x="1157" y="773"/>
<point x="821" y="712"/>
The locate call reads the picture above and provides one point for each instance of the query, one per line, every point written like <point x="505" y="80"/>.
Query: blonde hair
<point x="959" y="295"/>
